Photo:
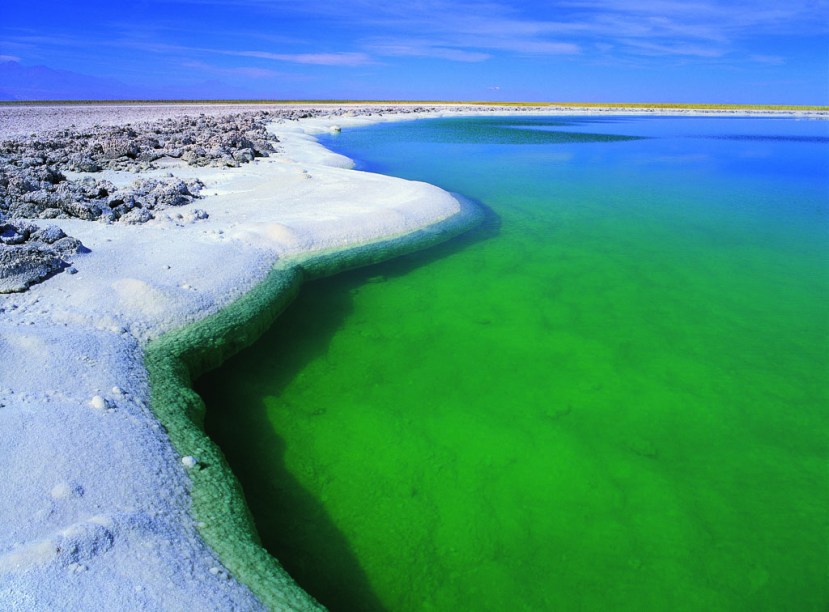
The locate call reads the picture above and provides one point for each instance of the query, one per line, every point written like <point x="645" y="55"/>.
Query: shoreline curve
<point x="84" y="451"/>
<point x="114" y="494"/>
<point x="181" y="356"/>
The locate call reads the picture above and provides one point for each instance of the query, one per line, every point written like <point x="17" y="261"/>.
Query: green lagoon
<point x="611" y="396"/>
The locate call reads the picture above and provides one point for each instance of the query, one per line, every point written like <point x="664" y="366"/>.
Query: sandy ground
<point x="94" y="501"/>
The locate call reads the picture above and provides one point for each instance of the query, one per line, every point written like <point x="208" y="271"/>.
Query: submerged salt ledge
<point x="95" y="502"/>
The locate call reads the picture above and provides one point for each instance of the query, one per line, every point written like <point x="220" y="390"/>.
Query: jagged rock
<point x="68" y="246"/>
<point x="115" y="148"/>
<point x="164" y="193"/>
<point x="83" y="162"/>
<point x="49" y="234"/>
<point x="33" y="186"/>
<point x="82" y="210"/>
<point x="11" y="235"/>
<point x="244" y="156"/>
<point x="22" y="266"/>
<point x="136" y="216"/>
<point x="30" y="193"/>
<point x="29" y="254"/>
<point x="199" y="141"/>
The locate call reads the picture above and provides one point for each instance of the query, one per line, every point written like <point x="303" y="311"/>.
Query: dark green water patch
<point x="178" y="357"/>
<point x="617" y="402"/>
<point x="501" y="131"/>
<point x="292" y="523"/>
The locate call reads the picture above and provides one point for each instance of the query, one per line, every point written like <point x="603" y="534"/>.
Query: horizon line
<point x="264" y="101"/>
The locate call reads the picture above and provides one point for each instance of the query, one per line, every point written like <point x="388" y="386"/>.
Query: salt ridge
<point x="95" y="502"/>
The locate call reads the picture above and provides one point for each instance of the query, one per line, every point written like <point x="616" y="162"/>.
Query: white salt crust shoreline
<point x="95" y="502"/>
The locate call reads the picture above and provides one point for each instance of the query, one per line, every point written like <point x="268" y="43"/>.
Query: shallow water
<point x="611" y="397"/>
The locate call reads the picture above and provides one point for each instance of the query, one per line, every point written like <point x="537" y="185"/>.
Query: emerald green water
<point x="611" y="397"/>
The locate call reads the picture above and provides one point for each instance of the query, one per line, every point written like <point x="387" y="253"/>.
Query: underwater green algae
<point x="174" y="360"/>
<point x="218" y="506"/>
<point x="612" y="396"/>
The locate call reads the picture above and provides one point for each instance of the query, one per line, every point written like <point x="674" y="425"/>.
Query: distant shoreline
<point x="558" y="105"/>
<point x="25" y="119"/>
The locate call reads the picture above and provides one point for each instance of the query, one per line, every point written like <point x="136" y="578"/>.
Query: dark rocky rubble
<point x="228" y="140"/>
<point x="43" y="192"/>
<point x="30" y="254"/>
<point x="33" y="183"/>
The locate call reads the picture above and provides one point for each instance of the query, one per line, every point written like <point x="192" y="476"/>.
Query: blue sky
<point x="759" y="51"/>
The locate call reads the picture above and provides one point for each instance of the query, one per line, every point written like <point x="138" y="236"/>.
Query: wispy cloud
<point x="455" y="30"/>
<point x="9" y="58"/>
<point x="403" y="48"/>
<point x="248" y="72"/>
<point x="367" y="32"/>
<point x="536" y="47"/>
<point x="476" y="30"/>
<point x="704" y="19"/>
<point x="35" y="40"/>
<point x="681" y="28"/>
<point x="317" y="59"/>
<point x="682" y="49"/>
<point x="345" y="58"/>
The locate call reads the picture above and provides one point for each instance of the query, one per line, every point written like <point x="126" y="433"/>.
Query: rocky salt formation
<point x="20" y="121"/>
<point x="33" y="183"/>
<point x="199" y="141"/>
<point x="54" y="175"/>
<point x="43" y="192"/>
<point x="30" y="254"/>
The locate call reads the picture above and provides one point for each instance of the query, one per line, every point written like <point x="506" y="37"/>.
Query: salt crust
<point x="94" y="501"/>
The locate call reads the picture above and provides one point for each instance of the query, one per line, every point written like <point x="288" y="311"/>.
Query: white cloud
<point x="477" y="30"/>
<point x="426" y="49"/>
<point x="9" y="58"/>
<point x="709" y="19"/>
<point x="318" y="59"/>
<point x="681" y="28"/>
<point x="249" y="72"/>
<point x="538" y="47"/>
<point x="456" y="30"/>
<point x="680" y="49"/>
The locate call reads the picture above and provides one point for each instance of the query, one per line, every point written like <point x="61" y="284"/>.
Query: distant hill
<point x="42" y="83"/>
<point x="20" y="82"/>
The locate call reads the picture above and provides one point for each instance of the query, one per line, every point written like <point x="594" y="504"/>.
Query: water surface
<point x="611" y="397"/>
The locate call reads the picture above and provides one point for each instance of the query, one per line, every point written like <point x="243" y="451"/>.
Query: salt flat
<point x="95" y="499"/>
<point x="95" y="502"/>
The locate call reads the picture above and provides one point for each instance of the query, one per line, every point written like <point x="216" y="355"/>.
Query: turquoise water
<point x="612" y="396"/>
